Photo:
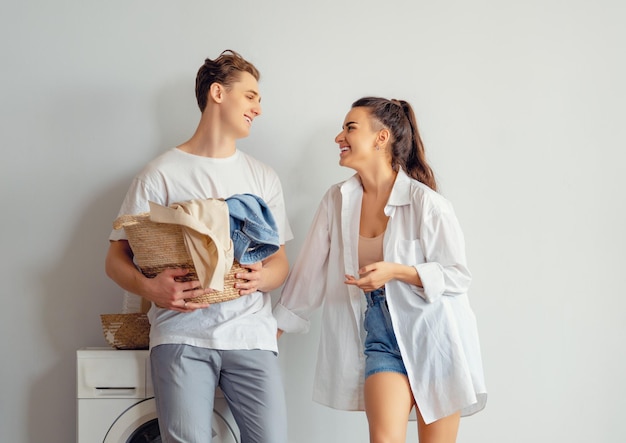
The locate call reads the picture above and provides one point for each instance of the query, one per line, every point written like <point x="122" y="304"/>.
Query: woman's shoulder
<point x="428" y="198"/>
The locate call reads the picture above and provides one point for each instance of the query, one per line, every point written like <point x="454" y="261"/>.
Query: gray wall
<point x="521" y="105"/>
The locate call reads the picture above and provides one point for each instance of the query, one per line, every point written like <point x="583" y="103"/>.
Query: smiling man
<point x="196" y="347"/>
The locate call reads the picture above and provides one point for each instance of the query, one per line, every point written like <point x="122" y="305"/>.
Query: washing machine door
<point x="138" y="424"/>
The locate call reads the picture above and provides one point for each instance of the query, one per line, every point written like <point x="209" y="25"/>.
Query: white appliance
<point x="115" y="400"/>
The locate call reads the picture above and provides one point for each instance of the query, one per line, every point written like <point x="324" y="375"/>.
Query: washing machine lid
<point x="138" y="424"/>
<point x="111" y="374"/>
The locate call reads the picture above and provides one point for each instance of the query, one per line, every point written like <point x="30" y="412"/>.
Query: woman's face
<point x="357" y="140"/>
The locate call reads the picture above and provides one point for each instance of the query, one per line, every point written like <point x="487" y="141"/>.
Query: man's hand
<point x="264" y="276"/>
<point x="167" y="293"/>
<point x="252" y="278"/>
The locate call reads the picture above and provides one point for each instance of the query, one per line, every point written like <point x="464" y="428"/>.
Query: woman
<point x="386" y="257"/>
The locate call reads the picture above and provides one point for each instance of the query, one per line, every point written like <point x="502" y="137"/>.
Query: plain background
<point x="521" y="107"/>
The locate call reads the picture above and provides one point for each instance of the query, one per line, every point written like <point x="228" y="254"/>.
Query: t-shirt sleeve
<point x="136" y="202"/>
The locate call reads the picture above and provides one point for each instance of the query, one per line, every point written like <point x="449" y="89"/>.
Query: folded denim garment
<point x="253" y="229"/>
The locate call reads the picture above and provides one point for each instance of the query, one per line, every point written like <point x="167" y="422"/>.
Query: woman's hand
<point x="376" y="275"/>
<point x="372" y="276"/>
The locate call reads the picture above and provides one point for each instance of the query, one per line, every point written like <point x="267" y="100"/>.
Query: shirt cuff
<point x="431" y="275"/>
<point x="288" y="321"/>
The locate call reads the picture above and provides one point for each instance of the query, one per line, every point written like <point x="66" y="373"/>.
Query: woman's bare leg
<point x="443" y="430"/>
<point x="388" y="402"/>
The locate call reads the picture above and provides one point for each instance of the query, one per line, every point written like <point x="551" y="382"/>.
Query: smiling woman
<point x="385" y="240"/>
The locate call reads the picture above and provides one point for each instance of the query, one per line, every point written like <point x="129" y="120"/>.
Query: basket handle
<point x="127" y="220"/>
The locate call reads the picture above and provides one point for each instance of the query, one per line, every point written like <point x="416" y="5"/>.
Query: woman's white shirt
<point x="434" y="324"/>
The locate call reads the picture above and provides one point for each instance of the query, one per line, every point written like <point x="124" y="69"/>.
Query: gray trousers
<point x="185" y="379"/>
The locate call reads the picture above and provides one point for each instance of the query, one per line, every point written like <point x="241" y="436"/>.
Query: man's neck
<point x="208" y="141"/>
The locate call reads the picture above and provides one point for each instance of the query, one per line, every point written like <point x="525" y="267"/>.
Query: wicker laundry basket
<point x="158" y="246"/>
<point x="126" y="331"/>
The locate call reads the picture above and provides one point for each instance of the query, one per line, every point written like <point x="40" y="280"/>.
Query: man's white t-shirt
<point x="176" y="176"/>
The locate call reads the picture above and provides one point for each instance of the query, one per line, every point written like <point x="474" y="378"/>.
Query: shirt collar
<point x="350" y="184"/>
<point x="400" y="193"/>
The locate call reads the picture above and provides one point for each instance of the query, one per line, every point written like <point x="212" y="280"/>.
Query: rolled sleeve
<point x="433" y="282"/>
<point x="445" y="269"/>
<point x="290" y="322"/>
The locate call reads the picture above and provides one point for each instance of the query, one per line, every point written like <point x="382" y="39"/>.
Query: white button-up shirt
<point x="434" y="324"/>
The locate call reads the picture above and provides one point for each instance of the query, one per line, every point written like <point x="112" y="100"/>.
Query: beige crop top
<point x="370" y="250"/>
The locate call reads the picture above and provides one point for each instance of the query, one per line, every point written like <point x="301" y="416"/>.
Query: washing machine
<point x="115" y="400"/>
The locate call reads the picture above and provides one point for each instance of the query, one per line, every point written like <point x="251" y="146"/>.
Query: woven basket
<point x="126" y="331"/>
<point x="158" y="246"/>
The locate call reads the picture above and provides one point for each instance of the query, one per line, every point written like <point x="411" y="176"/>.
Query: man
<point x="197" y="347"/>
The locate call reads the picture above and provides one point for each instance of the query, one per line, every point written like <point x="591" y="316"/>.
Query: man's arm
<point x="162" y="289"/>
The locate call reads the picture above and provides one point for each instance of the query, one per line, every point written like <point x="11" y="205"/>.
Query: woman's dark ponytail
<point x="416" y="164"/>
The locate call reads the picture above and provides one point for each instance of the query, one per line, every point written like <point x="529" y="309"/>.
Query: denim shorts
<point x="381" y="348"/>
